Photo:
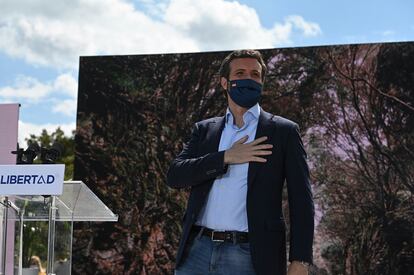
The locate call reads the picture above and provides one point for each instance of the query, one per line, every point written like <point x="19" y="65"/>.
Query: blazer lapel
<point x="264" y="128"/>
<point x="215" y="128"/>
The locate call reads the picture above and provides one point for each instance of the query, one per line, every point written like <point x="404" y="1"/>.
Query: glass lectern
<point x="43" y="227"/>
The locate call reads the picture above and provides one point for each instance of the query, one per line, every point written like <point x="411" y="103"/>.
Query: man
<point x="236" y="166"/>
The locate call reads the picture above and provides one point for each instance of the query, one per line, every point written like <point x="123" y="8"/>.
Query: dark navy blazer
<point x="199" y="163"/>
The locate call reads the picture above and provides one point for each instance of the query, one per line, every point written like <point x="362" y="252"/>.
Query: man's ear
<point x="223" y="82"/>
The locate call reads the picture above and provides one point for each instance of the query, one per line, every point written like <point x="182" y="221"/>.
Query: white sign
<point x="32" y="179"/>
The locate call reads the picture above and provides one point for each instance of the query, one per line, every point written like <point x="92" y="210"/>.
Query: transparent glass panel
<point x="86" y="206"/>
<point x="30" y="250"/>
<point x="28" y="217"/>
<point x="77" y="203"/>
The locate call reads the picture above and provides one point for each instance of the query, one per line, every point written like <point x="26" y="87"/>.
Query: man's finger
<point x="262" y="153"/>
<point x="242" y="140"/>
<point x="258" y="140"/>
<point x="263" y="146"/>
<point x="258" y="159"/>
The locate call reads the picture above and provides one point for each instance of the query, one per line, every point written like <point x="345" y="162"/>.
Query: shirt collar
<point x="250" y="114"/>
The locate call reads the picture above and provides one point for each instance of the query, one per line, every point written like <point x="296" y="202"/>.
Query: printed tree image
<point x="355" y="108"/>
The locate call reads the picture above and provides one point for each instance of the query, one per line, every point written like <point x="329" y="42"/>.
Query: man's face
<point x="243" y="68"/>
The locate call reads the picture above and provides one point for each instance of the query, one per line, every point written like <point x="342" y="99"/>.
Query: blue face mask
<point x="245" y="92"/>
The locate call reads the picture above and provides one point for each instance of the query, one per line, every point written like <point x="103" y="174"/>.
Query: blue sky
<point x="40" y="41"/>
<point x="341" y="19"/>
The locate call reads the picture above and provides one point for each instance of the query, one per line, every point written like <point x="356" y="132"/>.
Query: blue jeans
<point x="218" y="258"/>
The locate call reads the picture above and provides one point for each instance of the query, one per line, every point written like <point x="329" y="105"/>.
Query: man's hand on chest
<point x="241" y="152"/>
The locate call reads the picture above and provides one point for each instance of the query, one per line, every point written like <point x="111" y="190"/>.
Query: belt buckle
<point x="212" y="237"/>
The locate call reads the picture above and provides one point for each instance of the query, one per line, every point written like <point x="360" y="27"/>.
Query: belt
<point x="223" y="236"/>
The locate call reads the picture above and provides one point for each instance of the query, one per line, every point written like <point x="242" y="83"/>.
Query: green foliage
<point x="34" y="241"/>
<point x="68" y="155"/>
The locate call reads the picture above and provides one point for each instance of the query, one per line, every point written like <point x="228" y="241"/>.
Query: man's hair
<point x="225" y="65"/>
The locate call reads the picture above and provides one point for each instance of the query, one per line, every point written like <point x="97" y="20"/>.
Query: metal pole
<point x="4" y="237"/>
<point x="21" y="216"/>
<point x="51" y="237"/>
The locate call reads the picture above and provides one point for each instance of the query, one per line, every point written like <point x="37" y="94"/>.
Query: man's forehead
<point x="247" y="63"/>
